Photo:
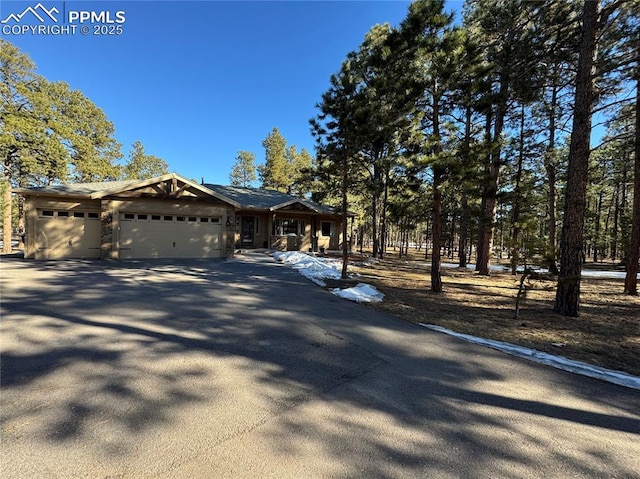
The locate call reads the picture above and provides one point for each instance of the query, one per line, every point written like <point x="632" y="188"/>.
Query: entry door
<point x="248" y="231"/>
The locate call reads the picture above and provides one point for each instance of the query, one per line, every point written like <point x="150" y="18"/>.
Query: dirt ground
<point x="606" y="334"/>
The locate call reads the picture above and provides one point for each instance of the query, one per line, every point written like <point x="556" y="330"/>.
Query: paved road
<point x="244" y="369"/>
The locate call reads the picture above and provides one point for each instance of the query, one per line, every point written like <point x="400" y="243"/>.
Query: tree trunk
<point x="6" y="223"/>
<point x="464" y="202"/>
<point x="489" y="199"/>
<point x="517" y="198"/>
<point x="345" y="217"/>
<point x="633" y="255"/>
<point x="374" y="224"/>
<point x="550" y="167"/>
<point x="464" y="232"/>
<point x="616" y="216"/>
<point x="483" y="202"/>
<point x="383" y="214"/>
<point x="436" y="277"/>
<point x="596" y="233"/>
<point x="571" y="242"/>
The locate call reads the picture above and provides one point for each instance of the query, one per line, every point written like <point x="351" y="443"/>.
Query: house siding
<point x="169" y="216"/>
<point x="109" y="210"/>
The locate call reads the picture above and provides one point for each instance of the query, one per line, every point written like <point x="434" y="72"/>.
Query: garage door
<point x="169" y="236"/>
<point x="67" y="234"/>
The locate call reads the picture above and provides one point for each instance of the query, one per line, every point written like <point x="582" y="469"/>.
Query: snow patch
<point x="361" y="293"/>
<point x="318" y="269"/>
<point x="559" y="362"/>
<point x="312" y="268"/>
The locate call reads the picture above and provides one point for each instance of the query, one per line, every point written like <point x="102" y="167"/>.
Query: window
<point x="63" y="214"/>
<point x="142" y="217"/>
<point x="204" y="220"/>
<point x="327" y="228"/>
<point x="47" y="213"/>
<point x="94" y="216"/>
<point x="215" y="220"/>
<point x="78" y="214"/>
<point x="168" y="218"/>
<point x="129" y="216"/>
<point x="288" y="226"/>
<point x="257" y="220"/>
<point x="193" y="218"/>
<point x="155" y="217"/>
<point x="180" y="218"/>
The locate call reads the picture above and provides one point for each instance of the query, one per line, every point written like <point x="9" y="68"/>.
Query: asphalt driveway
<point x="244" y="369"/>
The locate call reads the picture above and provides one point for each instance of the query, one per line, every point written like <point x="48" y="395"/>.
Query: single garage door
<point x="67" y="234"/>
<point x="145" y="235"/>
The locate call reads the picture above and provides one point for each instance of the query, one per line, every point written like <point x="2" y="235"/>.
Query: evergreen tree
<point x="440" y="50"/>
<point x="274" y="173"/>
<point x="86" y="133"/>
<point x="48" y="132"/>
<point x="571" y="242"/>
<point x="300" y="165"/>
<point x="243" y="172"/>
<point x="509" y="31"/>
<point x="633" y="251"/>
<point x="141" y="166"/>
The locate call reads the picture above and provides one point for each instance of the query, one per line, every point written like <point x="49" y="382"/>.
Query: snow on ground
<point x="317" y="269"/>
<point x="312" y="268"/>
<point x="586" y="273"/>
<point x="361" y="293"/>
<point x="559" y="362"/>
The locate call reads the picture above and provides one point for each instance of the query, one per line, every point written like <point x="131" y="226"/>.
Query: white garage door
<point x="67" y="234"/>
<point x="144" y="235"/>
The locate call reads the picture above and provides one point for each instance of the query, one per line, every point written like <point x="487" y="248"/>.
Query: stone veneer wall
<point x="106" y="230"/>
<point x="230" y="232"/>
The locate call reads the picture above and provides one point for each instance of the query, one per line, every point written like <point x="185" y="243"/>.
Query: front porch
<point x="288" y="231"/>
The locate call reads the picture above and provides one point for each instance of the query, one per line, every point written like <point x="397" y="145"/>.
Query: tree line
<point x="465" y="138"/>
<point x="477" y="136"/>
<point x="284" y="168"/>
<point x="50" y="134"/>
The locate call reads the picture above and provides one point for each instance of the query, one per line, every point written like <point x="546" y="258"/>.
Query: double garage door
<point x="143" y="235"/>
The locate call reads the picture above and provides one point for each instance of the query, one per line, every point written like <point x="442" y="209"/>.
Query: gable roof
<point x="82" y="190"/>
<point x="257" y="199"/>
<point x="268" y="200"/>
<point x="102" y="189"/>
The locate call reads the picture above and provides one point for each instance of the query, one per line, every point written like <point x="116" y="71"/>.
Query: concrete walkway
<point x="242" y="368"/>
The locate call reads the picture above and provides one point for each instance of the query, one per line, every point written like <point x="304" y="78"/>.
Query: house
<point x="170" y="217"/>
<point x="276" y="220"/>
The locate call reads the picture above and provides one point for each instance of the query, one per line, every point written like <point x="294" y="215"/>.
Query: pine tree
<point x="141" y="166"/>
<point x="243" y="172"/>
<point x="443" y="48"/>
<point x="508" y="29"/>
<point x="571" y="242"/>
<point x="274" y="173"/>
<point x="633" y="252"/>
<point x="49" y="132"/>
<point x="300" y="165"/>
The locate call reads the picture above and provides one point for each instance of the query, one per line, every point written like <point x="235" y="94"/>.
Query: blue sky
<point x="198" y="81"/>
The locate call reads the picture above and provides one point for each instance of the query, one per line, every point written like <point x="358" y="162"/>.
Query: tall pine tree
<point x="274" y="173"/>
<point x="243" y="172"/>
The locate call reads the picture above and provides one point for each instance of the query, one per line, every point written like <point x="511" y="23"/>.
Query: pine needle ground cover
<point x="606" y="334"/>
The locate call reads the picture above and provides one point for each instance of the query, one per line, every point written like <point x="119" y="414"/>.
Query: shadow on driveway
<point x="147" y="366"/>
